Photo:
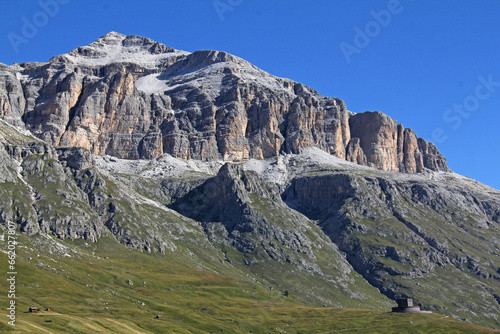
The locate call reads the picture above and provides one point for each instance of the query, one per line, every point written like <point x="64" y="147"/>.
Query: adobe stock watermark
<point x="455" y="115"/>
<point x="363" y="37"/>
<point x="30" y="26"/>
<point x="223" y="6"/>
<point x="11" y="273"/>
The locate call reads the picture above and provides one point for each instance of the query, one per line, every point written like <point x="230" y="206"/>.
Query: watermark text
<point x="11" y="273"/>
<point x="223" y="6"/>
<point x="455" y="115"/>
<point x="31" y="25"/>
<point x="363" y="37"/>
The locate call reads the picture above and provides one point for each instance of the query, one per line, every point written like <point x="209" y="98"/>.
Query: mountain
<point x="214" y="163"/>
<point x="131" y="97"/>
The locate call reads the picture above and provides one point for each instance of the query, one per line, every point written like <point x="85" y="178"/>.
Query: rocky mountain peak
<point x="111" y="38"/>
<point x="118" y="48"/>
<point x="132" y="97"/>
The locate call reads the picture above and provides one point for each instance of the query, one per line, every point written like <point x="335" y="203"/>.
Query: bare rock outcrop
<point x="387" y="145"/>
<point x="131" y="97"/>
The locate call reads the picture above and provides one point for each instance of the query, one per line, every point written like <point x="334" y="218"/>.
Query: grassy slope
<point x="352" y="292"/>
<point x="447" y="288"/>
<point x="461" y="286"/>
<point x="89" y="292"/>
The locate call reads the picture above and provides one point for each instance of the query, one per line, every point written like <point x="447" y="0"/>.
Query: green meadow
<point x="104" y="287"/>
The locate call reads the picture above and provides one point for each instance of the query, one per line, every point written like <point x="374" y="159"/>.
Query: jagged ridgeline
<point x="132" y="98"/>
<point x="206" y="156"/>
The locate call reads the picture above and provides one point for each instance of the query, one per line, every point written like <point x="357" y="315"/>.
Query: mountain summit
<point x="131" y="97"/>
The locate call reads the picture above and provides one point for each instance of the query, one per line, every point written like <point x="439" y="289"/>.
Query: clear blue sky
<point x="432" y="65"/>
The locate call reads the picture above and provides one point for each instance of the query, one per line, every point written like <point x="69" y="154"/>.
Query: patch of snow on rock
<point x="165" y="166"/>
<point x="258" y="166"/>
<point x="110" y="49"/>
<point x="210" y="78"/>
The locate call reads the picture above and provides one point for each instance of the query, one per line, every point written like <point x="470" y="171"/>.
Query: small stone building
<point x="33" y="310"/>
<point x="406" y="306"/>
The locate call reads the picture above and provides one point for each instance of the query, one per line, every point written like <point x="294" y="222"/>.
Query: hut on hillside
<point x="406" y="306"/>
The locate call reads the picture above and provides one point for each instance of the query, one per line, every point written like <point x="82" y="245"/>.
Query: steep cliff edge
<point x="131" y="97"/>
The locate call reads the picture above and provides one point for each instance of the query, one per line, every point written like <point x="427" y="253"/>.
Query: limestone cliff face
<point x="379" y="142"/>
<point x="131" y="97"/>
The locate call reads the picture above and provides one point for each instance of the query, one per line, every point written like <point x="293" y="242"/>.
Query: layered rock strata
<point x="131" y="97"/>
